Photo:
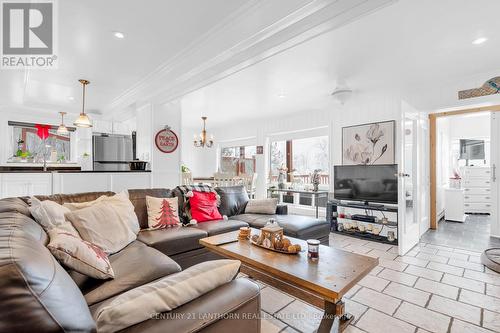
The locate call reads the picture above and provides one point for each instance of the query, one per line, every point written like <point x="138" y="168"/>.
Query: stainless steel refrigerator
<point x="112" y="152"/>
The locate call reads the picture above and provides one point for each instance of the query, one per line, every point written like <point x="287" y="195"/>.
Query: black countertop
<point x="40" y="170"/>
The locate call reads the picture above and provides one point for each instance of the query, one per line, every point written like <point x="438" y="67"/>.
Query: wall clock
<point x="166" y="140"/>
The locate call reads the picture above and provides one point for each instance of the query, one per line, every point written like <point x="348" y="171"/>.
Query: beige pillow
<point x="80" y="255"/>
<point x="49" y="214"/>
<point x="120" y="200"/>
<point x="72" y="206"/>
<point x="104" y="224"/>
<point x="262" y="206"/>
<point x="137" y="305"/>
<point x="162" y="212"/>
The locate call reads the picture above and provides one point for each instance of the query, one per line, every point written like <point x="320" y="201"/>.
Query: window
<point x="26" y="145"/>
<point x="301" y="157"/>
<point x="237" y="161"/>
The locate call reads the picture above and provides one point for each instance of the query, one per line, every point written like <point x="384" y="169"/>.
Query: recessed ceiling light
<point x="479" y="40"/>
<point x="119" y="35"/>
<point x="71" y="98"/>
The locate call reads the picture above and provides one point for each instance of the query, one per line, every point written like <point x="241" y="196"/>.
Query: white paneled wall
<point x="362" y="108"/>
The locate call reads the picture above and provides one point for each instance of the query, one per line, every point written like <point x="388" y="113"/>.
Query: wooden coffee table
<point x="322" y="283"/>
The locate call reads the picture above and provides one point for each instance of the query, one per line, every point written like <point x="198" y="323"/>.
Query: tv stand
<point x="366" y="203"/>
<point x="378" y="217"/>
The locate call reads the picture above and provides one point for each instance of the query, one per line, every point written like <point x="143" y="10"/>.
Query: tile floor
<point x="474" y="234"/>
<point x="433" y="288"/>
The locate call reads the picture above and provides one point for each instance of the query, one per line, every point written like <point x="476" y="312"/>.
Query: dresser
<point x="476" y="182"/>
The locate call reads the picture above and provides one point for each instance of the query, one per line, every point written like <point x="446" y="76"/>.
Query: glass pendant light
<point x="62" y="129"/>
<point x="83" y="120"/>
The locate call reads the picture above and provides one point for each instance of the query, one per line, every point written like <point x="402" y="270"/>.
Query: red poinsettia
<point x="42" y="131"/>
<point x="167" y="217"/>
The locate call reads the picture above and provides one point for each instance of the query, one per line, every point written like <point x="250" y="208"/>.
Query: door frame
<point x="433" y="152"/>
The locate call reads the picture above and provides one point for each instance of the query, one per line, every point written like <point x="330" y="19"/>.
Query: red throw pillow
<point x="204" y="206"/>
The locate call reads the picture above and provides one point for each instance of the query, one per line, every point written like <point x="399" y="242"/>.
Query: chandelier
<point x="201" y="141"/>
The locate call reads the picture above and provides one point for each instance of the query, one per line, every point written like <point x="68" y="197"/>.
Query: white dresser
<point x="477" y="189"/>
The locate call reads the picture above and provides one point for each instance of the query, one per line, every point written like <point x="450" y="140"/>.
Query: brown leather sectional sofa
<point x="38" y="294"/>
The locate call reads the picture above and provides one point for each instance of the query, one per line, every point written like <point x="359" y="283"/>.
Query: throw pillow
<point x="105" y="224"/>
<point x="204" y="206"/>
<point x="162" y="212"/>
<point x="119" y="200"/>
<point x="79" y="255"/>
<point x="262" y="206"/>
<point x="137" y="305"/>
<point x="49" y="214"/>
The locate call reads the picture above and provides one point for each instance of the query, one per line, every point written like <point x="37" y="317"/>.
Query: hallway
<point x="474" y="234"/>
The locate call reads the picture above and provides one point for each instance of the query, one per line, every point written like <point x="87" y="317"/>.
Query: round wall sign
<point x="166" y="141"/>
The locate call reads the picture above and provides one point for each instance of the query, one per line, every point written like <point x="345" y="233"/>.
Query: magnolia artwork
<point x="368" y="144"/>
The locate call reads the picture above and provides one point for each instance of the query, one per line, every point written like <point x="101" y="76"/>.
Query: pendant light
<point x="62" y="129"/>
<point x="83" y="120"/>
<point x="203" y="141"/>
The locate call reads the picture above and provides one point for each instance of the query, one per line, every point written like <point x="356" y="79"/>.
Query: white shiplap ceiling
<point x="170" y="48"/>
<point x="420" y="49"/>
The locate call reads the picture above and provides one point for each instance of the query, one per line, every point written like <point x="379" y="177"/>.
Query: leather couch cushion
<point x="298" y="226"/>
<point x="14" y="205"/>
<point x="220" y="226"/>
<point x="133" y="266"/>
<point x="173" y="240"/>
<point x="138" y="199"/>
<point x="37" y="293"/>
<point x="79" y="197"/>
<point x="233" y="200"/>
<point x="226" y="299"/>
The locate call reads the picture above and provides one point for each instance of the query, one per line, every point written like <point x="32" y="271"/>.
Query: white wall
<point x="166" y="167"/>
<point x="362" y="108"/>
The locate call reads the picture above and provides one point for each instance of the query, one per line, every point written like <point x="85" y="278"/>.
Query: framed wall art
<point x="369" y="144"/>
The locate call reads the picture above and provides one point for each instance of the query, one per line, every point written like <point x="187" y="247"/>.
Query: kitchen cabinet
<point x="110" y="127"/>
<point x="47" y="183"/>
<point x="67" y="183"/>
<point x="25" y="184"/>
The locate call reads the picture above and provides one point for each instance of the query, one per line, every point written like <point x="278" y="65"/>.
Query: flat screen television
<point x="368" y="183"/>
<point x="471" y="149"/>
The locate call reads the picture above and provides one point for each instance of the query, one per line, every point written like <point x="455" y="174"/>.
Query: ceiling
<point x="171" y="47"/>
<point x="420" y="49"/>
<point x="155" y="31"/>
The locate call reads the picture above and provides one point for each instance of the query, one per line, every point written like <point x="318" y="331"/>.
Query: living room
<point x="254" y="165"/>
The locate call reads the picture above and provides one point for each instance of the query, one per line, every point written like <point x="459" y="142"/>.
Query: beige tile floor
<point x="432" y="289"/>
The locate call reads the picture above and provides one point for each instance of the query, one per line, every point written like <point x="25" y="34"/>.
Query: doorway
<point x="463" y="185"/>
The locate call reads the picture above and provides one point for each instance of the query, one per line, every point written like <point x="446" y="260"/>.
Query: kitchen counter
<point x="38" y="182"/>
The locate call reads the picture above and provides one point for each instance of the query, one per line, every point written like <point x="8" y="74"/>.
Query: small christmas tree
<point x="167" y="217"/>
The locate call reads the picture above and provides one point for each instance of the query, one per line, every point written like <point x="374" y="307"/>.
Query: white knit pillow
<point x="49" y="214"/>
<point x="137" y="305"/>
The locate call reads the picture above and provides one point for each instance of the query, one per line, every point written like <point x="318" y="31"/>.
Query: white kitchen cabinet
<point x="121" y="128"/>
<point x="78" y="182"/>
<point x="25" y="184"/>
<point x="130" y="180"/>
<point x="454" y="208"/>
<point x="102" y="126"/>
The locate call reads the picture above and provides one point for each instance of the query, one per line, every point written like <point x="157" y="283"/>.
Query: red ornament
<point x="166" y="141"/>
<point x="42" y="131"/>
